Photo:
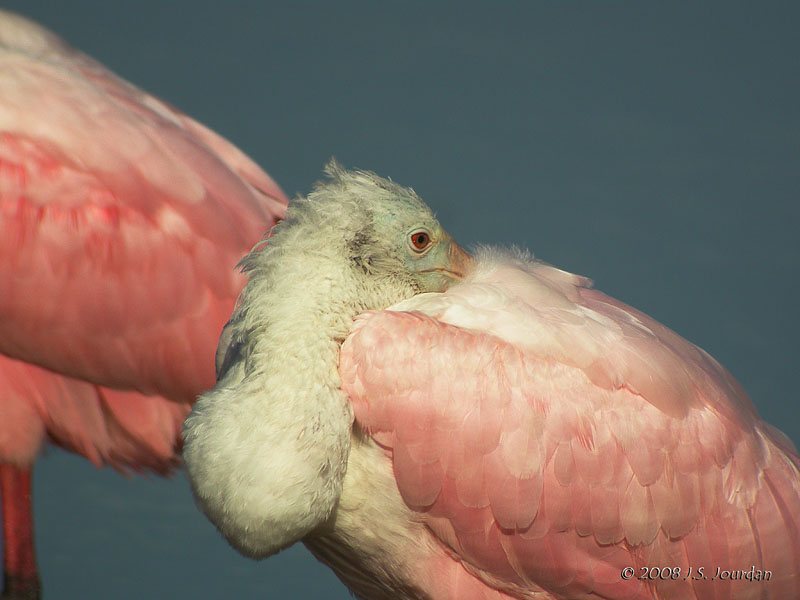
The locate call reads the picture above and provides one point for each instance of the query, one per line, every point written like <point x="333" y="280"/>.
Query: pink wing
<point x="551" y="436"/>
<point x="119" y="428"/>
<point x="121" y="220"/>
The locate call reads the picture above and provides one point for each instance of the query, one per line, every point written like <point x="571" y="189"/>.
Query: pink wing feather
<point x="120" y="428"/>
<point x="117" y="214"/>
<point x="550" y="436"/>
<point x="121" y="221"/>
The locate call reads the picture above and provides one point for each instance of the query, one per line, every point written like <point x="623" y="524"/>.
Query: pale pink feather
<point x="550" y="436"/>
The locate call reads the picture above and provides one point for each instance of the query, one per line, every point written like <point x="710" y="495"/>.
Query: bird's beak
<point x="451" y="268"/>
<point x="460" y="262"/>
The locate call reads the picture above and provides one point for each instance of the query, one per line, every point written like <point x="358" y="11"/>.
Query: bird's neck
<point x="267" y="448"/>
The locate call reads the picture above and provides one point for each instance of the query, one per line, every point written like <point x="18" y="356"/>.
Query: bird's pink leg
<point x="20" y="577"/>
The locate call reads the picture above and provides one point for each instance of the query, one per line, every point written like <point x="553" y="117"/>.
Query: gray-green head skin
<point x="266" y="450"/>
<point x="385" y="229"/>
<point x="390" y="232"/>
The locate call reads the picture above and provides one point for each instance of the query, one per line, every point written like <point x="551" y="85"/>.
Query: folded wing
<point x="551" y="436"/>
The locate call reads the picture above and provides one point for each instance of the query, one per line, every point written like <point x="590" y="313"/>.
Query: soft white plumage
<point x="268" y="483"/>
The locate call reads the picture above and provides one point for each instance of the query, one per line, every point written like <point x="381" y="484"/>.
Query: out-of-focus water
<point x="654" y="148"/>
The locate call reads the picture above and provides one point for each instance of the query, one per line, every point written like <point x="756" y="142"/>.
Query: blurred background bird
<point x="121" y="222"/>
<point x="653" y="148"/>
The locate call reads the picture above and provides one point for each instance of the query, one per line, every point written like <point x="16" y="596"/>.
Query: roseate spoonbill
<point x="436" y="426"/>
<point x="121" y="220"/>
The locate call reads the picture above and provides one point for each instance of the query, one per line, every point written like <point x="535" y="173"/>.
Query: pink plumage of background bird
<point x="434" y="426"/>
<point x="121" y="222"/>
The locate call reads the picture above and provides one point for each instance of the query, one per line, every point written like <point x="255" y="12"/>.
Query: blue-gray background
<point x="652" y="147"/>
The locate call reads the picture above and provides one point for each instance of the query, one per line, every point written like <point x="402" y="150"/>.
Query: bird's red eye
<point x="420" y="240"/>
